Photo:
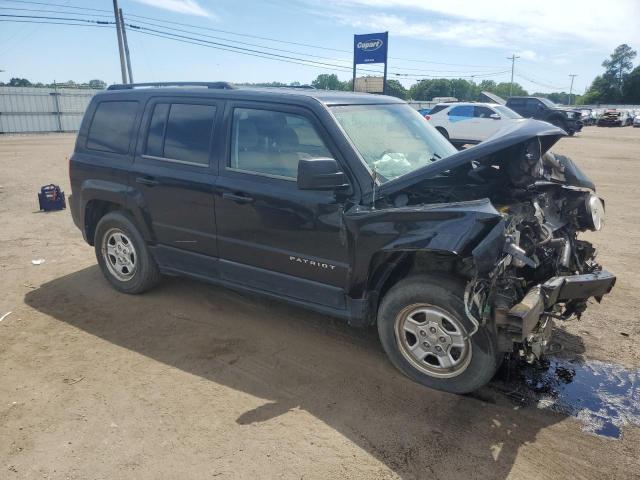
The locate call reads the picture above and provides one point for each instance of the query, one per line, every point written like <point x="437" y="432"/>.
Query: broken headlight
<point x="595" y="212"/>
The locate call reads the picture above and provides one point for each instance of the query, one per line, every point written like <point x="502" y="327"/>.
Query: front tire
<point x="123" y="255"/>
<point x="424" y="330"/>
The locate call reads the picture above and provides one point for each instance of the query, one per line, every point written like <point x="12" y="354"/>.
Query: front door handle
<point x="237" y="198"/>
<point x="149" y="181"/>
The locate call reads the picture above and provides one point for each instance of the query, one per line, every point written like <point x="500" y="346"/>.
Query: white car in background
<point x="469" y="123"/>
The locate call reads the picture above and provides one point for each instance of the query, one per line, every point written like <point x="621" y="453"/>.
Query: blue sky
<point x="435" y="38"/>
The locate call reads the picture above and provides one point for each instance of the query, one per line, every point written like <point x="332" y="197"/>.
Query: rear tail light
<point x="428" y="117"/>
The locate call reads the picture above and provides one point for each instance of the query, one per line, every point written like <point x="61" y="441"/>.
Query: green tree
<point x="428" y="89"/>
<point x="463" y="89"/>
<point x="631" y="87"/>
<point x="19" y="82"/>
<point x="326" y="81"/>
<point x="97" y="84"/>
<point x="395" y="89"/>
<point x="610" y="86"/>
<point x="502" y="89"/>
<point x="617" y="67"/>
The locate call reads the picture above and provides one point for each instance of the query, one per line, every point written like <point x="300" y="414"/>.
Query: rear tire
<point x="123" y="255"/>
<point x="432" y="307"/>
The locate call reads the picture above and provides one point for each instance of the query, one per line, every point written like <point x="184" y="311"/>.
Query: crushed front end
<point x="529" y="267"/>
<point x="543" y="271"/>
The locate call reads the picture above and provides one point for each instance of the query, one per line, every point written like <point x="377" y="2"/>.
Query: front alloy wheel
<point x="432" y="340"/>
<point x="427" y="335"/>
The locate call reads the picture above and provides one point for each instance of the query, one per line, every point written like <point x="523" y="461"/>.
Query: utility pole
<point x="120" y="46"/>
<point x="572" y="75"/>
<point x="126" y="45"/>
<point x="513" y="64"/>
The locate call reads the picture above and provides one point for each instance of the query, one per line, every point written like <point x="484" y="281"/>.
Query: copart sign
<point x="370" y="48"/>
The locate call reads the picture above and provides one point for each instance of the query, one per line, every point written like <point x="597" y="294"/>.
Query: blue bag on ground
<point x="51" y="198"/>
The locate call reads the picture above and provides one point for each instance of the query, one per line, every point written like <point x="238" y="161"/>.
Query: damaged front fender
<point x="472" y="229"/>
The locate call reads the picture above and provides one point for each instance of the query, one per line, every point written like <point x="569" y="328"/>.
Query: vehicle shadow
<point x="301" y="360"/>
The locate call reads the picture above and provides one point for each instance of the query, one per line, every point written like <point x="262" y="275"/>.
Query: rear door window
<point x="112" y="126"/>
<point x="461" y="111"/>
<point x="181" y="132"/>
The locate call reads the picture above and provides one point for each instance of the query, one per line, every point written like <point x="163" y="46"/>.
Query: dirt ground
<point x="194" y="381"/>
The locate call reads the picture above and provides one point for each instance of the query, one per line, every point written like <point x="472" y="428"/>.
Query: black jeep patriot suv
<point x="347" y="204"/>
<point x="544" y="109"/>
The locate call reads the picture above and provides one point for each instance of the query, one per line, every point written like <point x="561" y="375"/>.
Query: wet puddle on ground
<point x="603" y="396"/>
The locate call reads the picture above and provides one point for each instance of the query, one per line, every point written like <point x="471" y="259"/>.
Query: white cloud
<point x="188" y="7"/>
<point x="517" y="24"/>
<point x="527" y="55"/>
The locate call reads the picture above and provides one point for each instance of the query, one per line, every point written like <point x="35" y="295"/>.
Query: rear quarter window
<point x="111" y="127"/>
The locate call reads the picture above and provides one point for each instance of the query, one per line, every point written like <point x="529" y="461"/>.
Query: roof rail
<point x="213" y="85"/>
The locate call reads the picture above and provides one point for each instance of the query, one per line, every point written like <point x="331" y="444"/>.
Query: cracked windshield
<point x="392" y="139"/>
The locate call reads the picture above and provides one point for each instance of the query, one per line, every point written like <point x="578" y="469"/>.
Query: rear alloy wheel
<point x="119" y="254"/>
<point x="427" y="335"/>
<point x="123" y="255"/>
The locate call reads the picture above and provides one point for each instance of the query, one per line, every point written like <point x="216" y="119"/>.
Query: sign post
<point x="370" y="48"/>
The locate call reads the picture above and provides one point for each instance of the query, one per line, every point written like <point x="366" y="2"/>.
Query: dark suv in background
<point x="347" y="204"/>
<point x="544" y="109"/>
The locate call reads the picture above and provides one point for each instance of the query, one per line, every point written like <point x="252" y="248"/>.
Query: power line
<point x="228" y="32"/>
<point x="243" y="50"/>
<point x="45" y="10"/>
<point x="50" y="4"/>
<point x="222" y="46"/>
<point x="539" y="83"/>
<point x="346" y="61"/>
<point x="55" y="18"/>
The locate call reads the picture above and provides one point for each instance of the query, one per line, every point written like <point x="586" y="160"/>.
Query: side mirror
<point x="495" y="116"/>
<point x="321" y="174"/>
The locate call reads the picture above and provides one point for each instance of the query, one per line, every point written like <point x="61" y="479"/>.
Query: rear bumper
<point x="557" y="290"/>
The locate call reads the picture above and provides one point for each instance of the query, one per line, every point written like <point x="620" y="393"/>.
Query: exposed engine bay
<point x="531" y="267"/>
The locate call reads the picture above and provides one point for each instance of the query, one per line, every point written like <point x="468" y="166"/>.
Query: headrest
<point x="247" y="134"/>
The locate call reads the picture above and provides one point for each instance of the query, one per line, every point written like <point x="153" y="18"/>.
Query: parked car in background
<point x="636" y="121"/>
<point x="470" y="123"/>
<point x="587" y="116"/>
<point x="541" y="108"/>
<point x="615" y="118"/>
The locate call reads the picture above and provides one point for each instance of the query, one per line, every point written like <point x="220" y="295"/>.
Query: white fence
<point x="33" y="109"/>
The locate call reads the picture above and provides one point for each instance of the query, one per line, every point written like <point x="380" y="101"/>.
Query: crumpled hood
<point x="512" y="135"/>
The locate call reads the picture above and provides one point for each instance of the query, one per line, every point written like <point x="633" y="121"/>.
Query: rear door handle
<point x="237" y="198"/>
<point x="147" y="181"/>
